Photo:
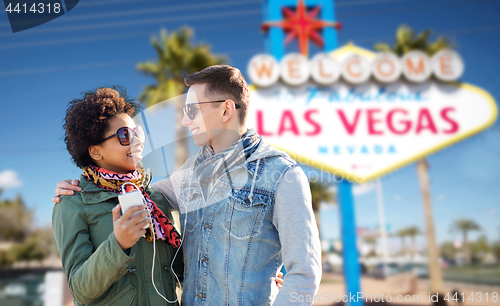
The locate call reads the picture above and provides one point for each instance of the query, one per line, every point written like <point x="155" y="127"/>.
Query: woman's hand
<point x="129" y="230"/>
<point x="278" y="279"/>
<point x="65" y="187"/>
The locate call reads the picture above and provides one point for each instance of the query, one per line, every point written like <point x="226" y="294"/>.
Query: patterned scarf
<point x="112" y="181"/>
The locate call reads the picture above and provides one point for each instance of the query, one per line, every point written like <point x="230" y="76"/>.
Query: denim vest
<point x="231" y="248"/>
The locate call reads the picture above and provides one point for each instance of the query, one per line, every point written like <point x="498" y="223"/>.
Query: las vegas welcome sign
<point x="359" y="114"/>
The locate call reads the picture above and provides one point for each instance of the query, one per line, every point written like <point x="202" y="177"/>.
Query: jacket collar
<point x="93" y="194"/>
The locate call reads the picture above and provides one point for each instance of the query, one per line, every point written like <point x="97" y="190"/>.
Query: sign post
<point x="351" y="269"/>
<point x="275" y="46"/>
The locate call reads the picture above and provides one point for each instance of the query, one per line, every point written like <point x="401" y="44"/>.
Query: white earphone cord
<point x="154" y="250"/>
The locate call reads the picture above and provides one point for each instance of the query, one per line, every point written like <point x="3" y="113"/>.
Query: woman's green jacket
<point x="98" y="271"/>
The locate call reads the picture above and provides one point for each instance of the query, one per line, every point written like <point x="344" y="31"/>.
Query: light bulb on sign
<point x="356" y="69"/>
<point x="416" y="66"/>
<point x="325" y="70"/>
<point x="447" y="65"/>
<point x="386" y="67"/>
<point x="263" y="70"/>
<point x="295" y="69"/>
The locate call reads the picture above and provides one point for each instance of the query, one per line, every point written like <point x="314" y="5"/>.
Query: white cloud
<point x="9" y="179"/>
<point x="361" y="189"/>
<point x="491" y="211"/>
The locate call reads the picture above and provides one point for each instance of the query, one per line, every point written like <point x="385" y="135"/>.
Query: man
<point x="245" y="207"/>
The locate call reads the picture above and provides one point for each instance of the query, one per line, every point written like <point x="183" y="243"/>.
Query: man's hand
<point x="66" y="187"/>
<point x="279" y="280"/>
<point x="129" y="230"/>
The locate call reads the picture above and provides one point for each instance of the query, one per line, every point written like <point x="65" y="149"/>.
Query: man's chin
<point x="201" y="139"/>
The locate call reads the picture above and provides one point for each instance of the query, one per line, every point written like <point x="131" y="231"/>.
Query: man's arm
<point x="166" y="188"/>
<point x="300" y="245"/>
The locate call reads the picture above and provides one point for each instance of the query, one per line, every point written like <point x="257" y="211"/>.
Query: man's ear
<point x="95" y="152"/>
<point x="229" y="110"/>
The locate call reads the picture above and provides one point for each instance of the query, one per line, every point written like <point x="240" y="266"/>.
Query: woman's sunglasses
<point x="126" y="135"/>
<point x="190" y="111"/>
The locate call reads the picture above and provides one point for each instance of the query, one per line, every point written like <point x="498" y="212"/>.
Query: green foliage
<point x="7" y="258"/>
<point x="408" y="40"/>
<point x="15" y="220"/>
<point x="411" y="231"/>
<point x="36" y="246"/>
<point x="321" y="193"/>
<point x="495" y="249"/>
<point x="464" y="226"/>
<point x="447" y="250"/>
<point x="479" y="247"/>
<point x="16" y="225"/>
<point x="370" y="239"/>
<point x="177" y="56"/>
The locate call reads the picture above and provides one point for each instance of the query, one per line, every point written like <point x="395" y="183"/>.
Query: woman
<point x="108" y="258"/>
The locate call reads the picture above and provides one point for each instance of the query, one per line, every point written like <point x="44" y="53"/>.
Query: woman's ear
<point x="95" y="153"/>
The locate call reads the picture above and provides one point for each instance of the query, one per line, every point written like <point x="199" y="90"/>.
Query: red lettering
<point x="317" y="127"/>
<point x="349" y="127"/>
<point x="288" y="116"/>
<point x="453" y="123"/>
<point x="372" y="121"/>
<point x="260" y="125"/>
<point x="425" y="115"/>
<point x="405" y="123"/>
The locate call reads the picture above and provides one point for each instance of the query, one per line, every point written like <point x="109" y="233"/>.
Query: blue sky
<point x="100" y="42"/>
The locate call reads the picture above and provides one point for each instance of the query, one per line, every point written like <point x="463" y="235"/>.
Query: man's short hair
<point x="223" y="80"/>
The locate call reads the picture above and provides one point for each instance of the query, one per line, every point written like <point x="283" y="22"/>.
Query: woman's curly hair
<point x="86" y="119"/>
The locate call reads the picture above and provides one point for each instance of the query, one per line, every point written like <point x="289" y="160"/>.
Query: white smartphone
<point x="130" y="199"/>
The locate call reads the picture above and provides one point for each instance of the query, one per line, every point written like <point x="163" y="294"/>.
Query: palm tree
<point x="435" y="272"/>
<point x="407" y="40"/>
<point x="464" y="226"/>
<point x="320" y="193"/>
<point x="413" y="231"/>
<point x="402" y="233"/>
<point x="177" y="56"/>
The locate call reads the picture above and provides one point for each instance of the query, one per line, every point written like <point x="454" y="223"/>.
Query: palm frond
<point x="176" y="57"/>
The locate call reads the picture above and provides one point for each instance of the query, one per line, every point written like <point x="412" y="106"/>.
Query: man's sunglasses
<point x="190" y="111"/>
<point x="126" y="135"/>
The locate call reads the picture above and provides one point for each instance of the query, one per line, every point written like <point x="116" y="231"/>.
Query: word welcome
<point x="295" y="69"/>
